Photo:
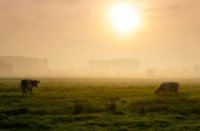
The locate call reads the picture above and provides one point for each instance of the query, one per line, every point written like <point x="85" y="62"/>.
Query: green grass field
<point x="99" y="104"/>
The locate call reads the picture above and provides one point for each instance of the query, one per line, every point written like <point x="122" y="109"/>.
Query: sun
<point x="123" y="17"/>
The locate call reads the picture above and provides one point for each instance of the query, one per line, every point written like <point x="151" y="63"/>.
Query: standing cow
<point x="168" y="87"/>
<point x="27" y="85"/>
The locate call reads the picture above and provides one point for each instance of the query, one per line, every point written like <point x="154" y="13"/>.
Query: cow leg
<point x="23" y="92"/>
<point x="30" y="90"/>
<point x="164" y="92"/>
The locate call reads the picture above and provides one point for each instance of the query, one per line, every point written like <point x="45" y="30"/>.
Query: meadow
<point x="99" y="105"/>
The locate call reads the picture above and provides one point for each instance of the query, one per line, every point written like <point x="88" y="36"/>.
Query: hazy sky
<point x="70" y="32"/>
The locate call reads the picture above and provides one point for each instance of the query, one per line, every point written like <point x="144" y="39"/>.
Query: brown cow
<point x="27" y="85"/>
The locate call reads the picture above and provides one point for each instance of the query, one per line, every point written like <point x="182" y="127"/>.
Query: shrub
<point x="111" y="104"/>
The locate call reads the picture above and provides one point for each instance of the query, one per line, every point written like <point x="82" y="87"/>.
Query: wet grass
<point x="99" y="104"/>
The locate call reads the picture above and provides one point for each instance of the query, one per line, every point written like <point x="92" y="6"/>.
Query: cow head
<point x="156" y="91"/>
<point x="35" y="83"/>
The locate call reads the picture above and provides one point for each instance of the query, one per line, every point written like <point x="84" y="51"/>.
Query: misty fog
<point x="18" y="66"/>
<point x="74" y="39"/>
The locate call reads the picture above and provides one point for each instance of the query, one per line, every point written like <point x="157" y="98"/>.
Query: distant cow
<point x="27" y="85"/>
<point x="168" y="87"/>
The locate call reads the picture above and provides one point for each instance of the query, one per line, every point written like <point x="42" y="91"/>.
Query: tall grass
<point x="99" y="104"/>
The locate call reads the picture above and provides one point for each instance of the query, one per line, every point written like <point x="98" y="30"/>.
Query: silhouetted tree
<point x="113" y="66"/>
<point x="26" y="65"/>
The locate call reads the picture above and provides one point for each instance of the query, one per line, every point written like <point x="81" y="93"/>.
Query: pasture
<point x="100" y="105"/>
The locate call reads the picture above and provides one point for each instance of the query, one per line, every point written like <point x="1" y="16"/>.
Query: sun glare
<point x="124" y="17"/>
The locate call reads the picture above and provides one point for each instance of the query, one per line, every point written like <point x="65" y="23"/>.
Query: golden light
<point x="124" y="17"/>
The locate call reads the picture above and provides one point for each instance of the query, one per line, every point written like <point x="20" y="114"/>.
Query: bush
<point x="111" y="103"/>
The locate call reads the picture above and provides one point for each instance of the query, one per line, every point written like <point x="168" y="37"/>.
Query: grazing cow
<point x="27" y="85"/>
<point x="168" y="87"/>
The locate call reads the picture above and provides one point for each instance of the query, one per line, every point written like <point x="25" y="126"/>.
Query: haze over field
<point x="75" y="35"/>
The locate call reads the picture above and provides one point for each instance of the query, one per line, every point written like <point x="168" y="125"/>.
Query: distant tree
<point x="115" y="66"/>
<point x="125" y="65"/>
<point x="100" y="66"/>
<point x="150" y="72"/>
<point x="25" y="65"/>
